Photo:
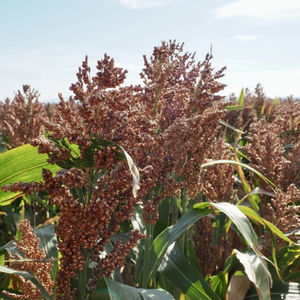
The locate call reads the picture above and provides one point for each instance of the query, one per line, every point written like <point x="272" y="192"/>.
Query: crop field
<point x="163" y="190"/>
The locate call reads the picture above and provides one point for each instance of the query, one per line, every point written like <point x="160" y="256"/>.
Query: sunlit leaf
<point x="241" y="99"/>
<point x="24" y="164"/>
<point x="238" y="218"/>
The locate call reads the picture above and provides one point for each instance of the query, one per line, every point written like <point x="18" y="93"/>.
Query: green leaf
<point x="257" y="272"/>
<point x="241" y="99"/>
<point x="26" y="275"/>
<point x="234" y="107"/>
<point x="219" y="284"/>
<point x="163" y="220"/>
<point x="253" y="215"/>
<point x="168" y="236"/>
<point x="120" y="291"/>
<point x="238" y="218"/>
<point x="287" y="257"/>
<point x="184" y="276"/>
<point x="215" y="162"/>
<point x="24" y="164"/>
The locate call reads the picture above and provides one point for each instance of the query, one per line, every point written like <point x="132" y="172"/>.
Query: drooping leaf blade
<point x="238" y="218"/>
<point x="253" y="215"/>
<point x="215" y="162"/>
<point x="257" y="272"/>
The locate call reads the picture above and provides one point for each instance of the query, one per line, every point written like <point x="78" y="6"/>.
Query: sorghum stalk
<point x="145" y="282"/>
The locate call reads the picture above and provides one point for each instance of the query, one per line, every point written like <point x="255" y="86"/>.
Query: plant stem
<point x="147" y="254"/>
<point x="174" y="210"/>
<point x="82" y="280"/>
<point x="184" y="204"/>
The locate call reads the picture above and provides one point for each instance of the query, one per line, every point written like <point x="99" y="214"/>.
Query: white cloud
<point x="245" y="37"/>
<point x="141" y="4"/>
<point x="263" y="9"/>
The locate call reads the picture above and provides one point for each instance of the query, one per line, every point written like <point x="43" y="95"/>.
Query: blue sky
<point x="43" y="42"/>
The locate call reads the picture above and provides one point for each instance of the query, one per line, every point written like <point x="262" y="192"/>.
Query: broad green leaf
<point x="238" y="218"/>
<point x="215" y="162"/>
<point x="120" y="291"/>
<point x="24" y="164"/>
<point x="184" y="276"/>
<point x="150" y="294"/>
<point x="167" y="237"/>
<point x="280" y="290"/>
<point x="253" y="215"/>
<point x="219" y="284"/>
<point x="257" y="272"/>
<point x="26" y="275"/>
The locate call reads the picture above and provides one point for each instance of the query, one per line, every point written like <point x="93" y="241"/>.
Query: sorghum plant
<point x="170" y="126"/>
<point x="21" y="118"/>
<point x="36" y="264"/>
<point x="92" y="191"/>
